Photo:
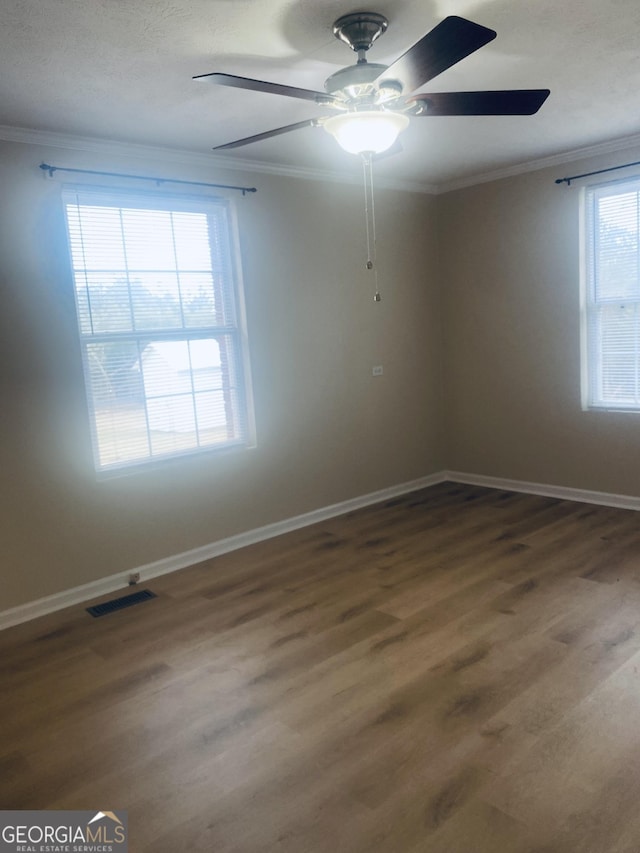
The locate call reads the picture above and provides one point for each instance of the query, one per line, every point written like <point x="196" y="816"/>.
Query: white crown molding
<point x="158" y="154"/>
<point x="105" y="586"/>
<point x="178" y="156"/>
<point x="610" y="147"/>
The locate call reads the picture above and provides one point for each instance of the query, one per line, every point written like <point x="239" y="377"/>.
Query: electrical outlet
<point x="134" y="578"/>
<point x="377" y="370"/>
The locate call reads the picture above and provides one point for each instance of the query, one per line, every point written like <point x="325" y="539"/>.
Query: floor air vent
<point x="121" y="603"/>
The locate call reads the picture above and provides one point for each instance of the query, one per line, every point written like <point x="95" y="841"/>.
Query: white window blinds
<point x="160" y="324"/>
<point x="612" y="296"/>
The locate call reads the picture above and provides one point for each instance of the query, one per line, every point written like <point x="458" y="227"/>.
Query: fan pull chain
<point x="370" y="220"/>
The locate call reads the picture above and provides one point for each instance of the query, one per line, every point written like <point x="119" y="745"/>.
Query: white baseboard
<point x="563" y="492"/>
<point x="104" y="586"/>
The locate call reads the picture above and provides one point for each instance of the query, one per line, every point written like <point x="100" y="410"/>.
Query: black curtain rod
<point x="598" y="172"/>
<point x="51" y="169"/>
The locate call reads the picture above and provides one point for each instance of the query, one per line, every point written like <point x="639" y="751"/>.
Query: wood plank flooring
<point x="454" y="671"/>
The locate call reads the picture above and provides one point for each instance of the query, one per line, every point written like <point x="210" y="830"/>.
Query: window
<point x="611" y="297"/>
<point x="160" y="320"/>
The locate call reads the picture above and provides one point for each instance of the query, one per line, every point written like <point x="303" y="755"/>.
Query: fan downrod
<point x="359" y="30"/>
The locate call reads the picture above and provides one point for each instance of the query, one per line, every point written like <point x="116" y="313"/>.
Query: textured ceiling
<point x="121" y="70"/>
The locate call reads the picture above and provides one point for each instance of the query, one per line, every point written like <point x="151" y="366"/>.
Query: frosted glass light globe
<point x="364" y="132"/>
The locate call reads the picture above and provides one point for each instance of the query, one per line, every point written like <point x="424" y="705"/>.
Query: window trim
<point x="588" y="302"/>
<point x="171" y="200"/>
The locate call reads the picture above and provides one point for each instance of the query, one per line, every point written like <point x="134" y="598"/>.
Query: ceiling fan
<point x="373" y="103"/>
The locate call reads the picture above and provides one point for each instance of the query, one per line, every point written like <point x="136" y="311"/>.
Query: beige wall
<point x="510" y="278"/>
<point x="495" y="267"/>
<point x="327" y="430"/>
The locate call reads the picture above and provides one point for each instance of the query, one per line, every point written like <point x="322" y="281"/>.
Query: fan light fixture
<point x="366" y="131"/>
<point x="373" y="100"/>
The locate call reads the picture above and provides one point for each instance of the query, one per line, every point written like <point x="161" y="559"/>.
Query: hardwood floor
<point x="457" y="670"/>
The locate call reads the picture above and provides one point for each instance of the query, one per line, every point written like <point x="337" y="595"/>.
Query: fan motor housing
<point x="353" y="75"/>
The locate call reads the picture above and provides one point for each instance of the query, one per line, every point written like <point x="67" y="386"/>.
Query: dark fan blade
<point x="312" y="122"/>
<point x="513" y="102"/>
<point x="264" y="86"/>
<point x="448" y="43"/>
